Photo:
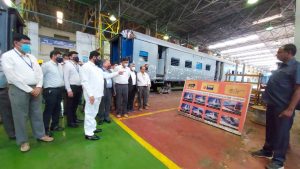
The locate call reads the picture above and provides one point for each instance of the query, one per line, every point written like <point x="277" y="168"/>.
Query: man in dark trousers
<point x="132" y="88"/>
<point x="121" y="84"/>
<point x="73" y="87"/>
<point x="105" y="104"/>
<point x="281" y="96"/>
<point x="53" y="87"/>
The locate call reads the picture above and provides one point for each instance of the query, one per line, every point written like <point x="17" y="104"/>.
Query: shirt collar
<point x="19" y="53"/>
<point x="288" y="63"/>
<point x="53" y="62"/>
<point x="92" y="63"/>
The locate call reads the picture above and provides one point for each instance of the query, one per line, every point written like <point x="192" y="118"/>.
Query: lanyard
<point x="30" y="65"/>
<point x="76" y="66"/>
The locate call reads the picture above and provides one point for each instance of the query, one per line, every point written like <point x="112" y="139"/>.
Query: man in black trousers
<point x="282" y="95"/>
<point x="132" y="88"/>
<point x="73" y="87"/>
<point x="105" y="105"/>
<point x="52" y="93"/>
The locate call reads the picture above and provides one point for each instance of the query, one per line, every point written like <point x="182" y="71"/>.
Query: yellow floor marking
<point x="147" y="114"/>
<point x="157" y="154"/>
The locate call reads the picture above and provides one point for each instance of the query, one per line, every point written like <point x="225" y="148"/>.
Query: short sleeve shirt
<point x="281" y="85"/>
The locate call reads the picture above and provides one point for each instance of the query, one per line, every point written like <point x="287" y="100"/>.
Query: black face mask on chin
<point x="76" y="59"/>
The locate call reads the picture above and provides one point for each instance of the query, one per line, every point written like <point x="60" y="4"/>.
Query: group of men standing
<point x="23" y="82"/>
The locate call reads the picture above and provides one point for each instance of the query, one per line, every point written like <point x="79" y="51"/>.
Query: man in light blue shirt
<point x="105" y="104"/>
<point x="53" y="87"/>
<point x="5" y="112"/>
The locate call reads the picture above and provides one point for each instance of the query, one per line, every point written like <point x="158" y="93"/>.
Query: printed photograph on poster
<point x="188" y="97"/>
<point x="233" y="107"/>
<point x="185" y="108"/>
<point x="230" y="122"/>
<point x="199" y="99"/>
<point x="214" y="103"/>
<point x="197" y="112"/>
<point x="211" y="116"/>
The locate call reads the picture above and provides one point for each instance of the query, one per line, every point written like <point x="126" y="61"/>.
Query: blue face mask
<point x="25" y="48"/>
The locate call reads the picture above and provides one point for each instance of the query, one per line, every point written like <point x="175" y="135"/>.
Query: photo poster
<point x="220" y="104"/>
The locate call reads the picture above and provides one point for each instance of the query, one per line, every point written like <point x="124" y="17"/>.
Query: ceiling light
<point x="259" y="45"/>
<point x="234" y="42"/>
<point x="269" y="28"/>
<point x="166" y="37"/>
<point x="60" y="17"/>
<point x="112" y="18"/>
<point x="250" y="2"/>
<point x="267" y="19"/>
<point x="251" y="53"/>
<point x="8" y="3"/>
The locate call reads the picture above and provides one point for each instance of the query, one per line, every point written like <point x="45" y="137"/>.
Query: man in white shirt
<point x="53" y="87"/>
<point x="25" y="78"/>
<point x="143" y="82"/>
<point x="92" y="81"/>
<point x="73" y="87"/>
<point x="131" y="88"/>
<point x="121" y="84"/>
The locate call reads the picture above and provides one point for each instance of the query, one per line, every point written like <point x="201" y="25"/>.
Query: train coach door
<point x="221" y="71"/>
<point x="217" y="70"/>
<point x="161" y="61"/>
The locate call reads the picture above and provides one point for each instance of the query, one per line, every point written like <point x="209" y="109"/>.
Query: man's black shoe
<point x="49" y="133"/>
<point x="12" y="137"/>
<point x="262" y="153"/>
<point x="100" y="122"/>
<point x="57" y="128"/>
<point x="73" y="125"/>
<point x="79" y="121"/>
<point x="107" y="120"/>
<point x="98" y="131"/>
<point x="94" y="137"/>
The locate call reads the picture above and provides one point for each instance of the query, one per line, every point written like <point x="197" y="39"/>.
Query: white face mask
<point x="126" y="64"/>
<point x="133" y="68"/>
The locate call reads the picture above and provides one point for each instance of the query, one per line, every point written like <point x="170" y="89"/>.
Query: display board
<point x="220" y="104"/>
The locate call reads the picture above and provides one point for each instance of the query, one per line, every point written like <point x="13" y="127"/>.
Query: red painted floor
<point x="195" y="145"/>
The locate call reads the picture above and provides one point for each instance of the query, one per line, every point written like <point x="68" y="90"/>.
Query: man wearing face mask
<point x="73" y="87"/>
<point x="53" y="87"/>
<point x="108" y="93"/>
<point x="25" y="79"/>
<point x="92" y="80"/>
<point x="132" y="87"/>
<point x="121" y="84"/>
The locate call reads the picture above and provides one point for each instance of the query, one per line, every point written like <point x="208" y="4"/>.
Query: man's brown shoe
<point x="25" y="147"/>
<point x="46" y="139"/>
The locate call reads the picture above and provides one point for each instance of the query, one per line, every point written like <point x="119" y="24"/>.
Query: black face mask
<point x="76" y="59"/>
<point x="98" y="62"/>
<point x="59" y="59"/>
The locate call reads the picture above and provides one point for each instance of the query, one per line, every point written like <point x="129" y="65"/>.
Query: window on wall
<point x="207" y="67"/>
<point x="188" y="64"/>
<point x="199" y="66"/>
<point x="175" y="62"/>
<point x="144" y="55"/>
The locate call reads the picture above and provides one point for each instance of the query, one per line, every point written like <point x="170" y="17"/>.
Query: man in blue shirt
<point x="281" y="96"/>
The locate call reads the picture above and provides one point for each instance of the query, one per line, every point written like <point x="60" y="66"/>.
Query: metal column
<point x="297" y="28"/>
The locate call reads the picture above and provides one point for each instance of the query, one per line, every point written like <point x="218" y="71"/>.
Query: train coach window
<point x="207" y="67"/>
<point x="175" y="62"/>
<point x="199" y="66"/>
<point x="188" y="64"/>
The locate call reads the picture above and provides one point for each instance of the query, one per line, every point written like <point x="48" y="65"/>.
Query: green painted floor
<point x="116" y="150"/>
